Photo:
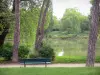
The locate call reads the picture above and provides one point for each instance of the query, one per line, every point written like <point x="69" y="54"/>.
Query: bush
<point x="6" y="51"/>
<point x="33" y="55"/>
<point x="70" y="59"/>
<point x="47" y="52"/>
<point x="2" y="59"/>
<point x="23" y="52"/>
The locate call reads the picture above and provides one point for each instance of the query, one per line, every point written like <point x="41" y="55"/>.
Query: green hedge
<point x="6" y="51"/>
<point x="73" y="59"/>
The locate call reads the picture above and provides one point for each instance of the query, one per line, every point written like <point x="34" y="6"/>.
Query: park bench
<point x="35" y="61"/>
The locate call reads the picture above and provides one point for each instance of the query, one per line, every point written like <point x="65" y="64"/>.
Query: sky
<point x="59" y="6"/>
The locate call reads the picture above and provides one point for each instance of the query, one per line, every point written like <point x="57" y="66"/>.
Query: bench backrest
<point x="35" y="60"/>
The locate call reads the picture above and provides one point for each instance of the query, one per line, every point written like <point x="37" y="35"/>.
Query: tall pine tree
<point x="93" y="33"/>
<point x="16" y="31"/>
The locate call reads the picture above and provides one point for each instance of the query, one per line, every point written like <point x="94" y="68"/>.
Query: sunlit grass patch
<point x="50" y="71"/>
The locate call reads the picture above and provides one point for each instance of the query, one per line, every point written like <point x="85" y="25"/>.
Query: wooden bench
<point x="35" y="61"/>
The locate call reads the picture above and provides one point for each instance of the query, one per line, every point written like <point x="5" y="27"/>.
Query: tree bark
<point x="93" y="34"/>
<point x="43" y="22"/>
<point x="38" y="27"/>
<point x="13" y="10"/>
<point x="16" y="32"/>
<point x="3" y="36"/>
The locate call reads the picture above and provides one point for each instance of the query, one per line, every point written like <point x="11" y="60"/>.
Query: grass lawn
<point x="73" y="59"/>
<point x="50" y="71"/>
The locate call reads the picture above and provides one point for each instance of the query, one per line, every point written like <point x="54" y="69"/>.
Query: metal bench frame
<point x="35" y="60"/>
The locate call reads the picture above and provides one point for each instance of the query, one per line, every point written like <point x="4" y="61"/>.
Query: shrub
<point x="2" y="59"/>
<point x="23" y="52"/>
<point x="47" y="52"/>
<point x="33" y="55"/>
<point x="6" y="51"/>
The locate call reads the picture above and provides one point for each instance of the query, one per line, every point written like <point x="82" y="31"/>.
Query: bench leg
<point x="45" y="64"/>
<point x="24" y="64"/>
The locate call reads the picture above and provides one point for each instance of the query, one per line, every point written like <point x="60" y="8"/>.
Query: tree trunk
<point x="93" y="34"/>
<point x="43" y="22"/>
<point x="13" y="10"/>
<point x="40" y="29"/>
<point x="39" y="24"/>
<point x="3" y="36"/>
<point x="16" y="32"/>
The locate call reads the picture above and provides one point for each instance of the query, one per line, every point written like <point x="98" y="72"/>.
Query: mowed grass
<point x="73" y="59"/>
<point x="50" y="71"/>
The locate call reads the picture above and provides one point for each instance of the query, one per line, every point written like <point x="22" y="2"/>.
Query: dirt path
<point x="49" y="65"/>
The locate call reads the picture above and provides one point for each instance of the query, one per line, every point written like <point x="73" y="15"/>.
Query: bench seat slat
<point x="35" y="63"/>
<point x="35" y="60"/>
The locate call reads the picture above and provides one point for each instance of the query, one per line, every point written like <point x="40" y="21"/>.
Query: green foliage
<point x="2" y="59"/>
<point x="31" y="55"/>
<point x="73" y="59"/>
<point x="6" y="51"/>
<point x="70" y="59"/>
<point x="28" y="25"/>
<point x="47" y="52"/>
<point x="4" y="16"/>
<point x="73" y="21"/>
<point x="85" y="24"/>
<point x="23" y="52"/>
<point x="56" y="24"/>
<point x="29" y="15"/>
<point x="91" y="1"/>
<point x="29" y="21"/>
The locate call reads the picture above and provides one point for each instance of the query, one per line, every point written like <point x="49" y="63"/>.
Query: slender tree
<point x="40" y="29"/>
<point x="43" y="20"/>
<point x="16" y="32"/>
<point x="93" y="33"/>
